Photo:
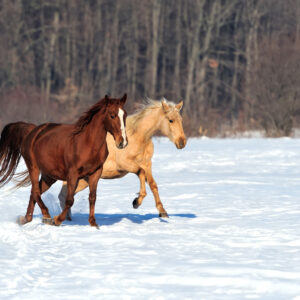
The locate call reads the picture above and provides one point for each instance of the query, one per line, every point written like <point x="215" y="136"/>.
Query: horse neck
<point x="149" y="124"/>
<point x="95" y="133"/>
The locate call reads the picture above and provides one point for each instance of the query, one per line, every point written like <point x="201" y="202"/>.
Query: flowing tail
<point x="12" y="138"/>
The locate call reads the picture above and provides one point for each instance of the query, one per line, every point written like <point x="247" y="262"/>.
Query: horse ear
<point x="106" y="99"/>
<point x="123" y="99"/>
<point x="165" y="105"/>
<point x="179" y="105"/>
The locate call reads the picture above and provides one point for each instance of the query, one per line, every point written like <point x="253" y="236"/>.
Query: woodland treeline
<point x="236" y="64"/>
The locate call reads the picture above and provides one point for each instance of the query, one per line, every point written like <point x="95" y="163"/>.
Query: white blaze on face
<point x="121" y="115"/>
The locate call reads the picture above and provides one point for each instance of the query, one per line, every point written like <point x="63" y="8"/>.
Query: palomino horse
<point x="63" y="152"/>
<point x="160" y="116"/>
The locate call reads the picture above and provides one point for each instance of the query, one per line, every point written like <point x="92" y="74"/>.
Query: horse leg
<point x="45" y="183"/>
<point x="142" y="194"/>
<point x="93" y="181"/>
<point x="82" y="184"/>
<point x="62" y="199"/>
<point x="30" y="208"/>
<point x="35" y="197"/>
<point x="71" y="187"/>
<point x="154" y="189"/>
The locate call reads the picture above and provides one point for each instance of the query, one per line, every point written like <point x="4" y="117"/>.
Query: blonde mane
<point x="147" y="107"/>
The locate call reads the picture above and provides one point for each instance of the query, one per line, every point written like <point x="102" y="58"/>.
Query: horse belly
<point x="56" y="171"/>
<point x="90" y="163"/>
<point x="111" y="170"/>
<point x="50" y="165"/>
<point x="87" y="169"/>
<point x="112" y="174"/>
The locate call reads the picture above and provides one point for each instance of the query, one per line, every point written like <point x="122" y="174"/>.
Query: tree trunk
<point x="49" y="62"/>
<point x="251" y="47"/>
<point x="176" y="81"/>
<point x="205" y="56"/>
<point x="115" y="48"/>
<point x="192" y="58"/>
<point x="155" y="46"/>
<point x="135" y="55"/>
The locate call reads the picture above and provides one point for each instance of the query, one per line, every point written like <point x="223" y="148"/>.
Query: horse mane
<point x="148" y="106"/>
<point x="87" y="117"/>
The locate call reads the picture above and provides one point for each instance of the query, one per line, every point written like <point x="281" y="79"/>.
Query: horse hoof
<point x="163" y="215"/>
<point x="48" y="221"/>
<point x="96" y="226"/>
<point x="56" y="221"/>
<point x="21" y="220"/>
<point x="93" y="223"/>
<point x="135" y="203"/>
<point x="69" y="218"/>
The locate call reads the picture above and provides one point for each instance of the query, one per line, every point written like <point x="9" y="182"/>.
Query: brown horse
<point x="63" y="152"/>
<point x="160" y="116"/>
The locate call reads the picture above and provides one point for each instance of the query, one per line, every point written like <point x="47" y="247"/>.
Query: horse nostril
<point x="122" y="145"/>
<point x="181" y="143"/>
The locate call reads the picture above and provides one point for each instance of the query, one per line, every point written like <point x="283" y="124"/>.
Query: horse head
<point x="171" y="125"/>
<point x="115" y="120"/>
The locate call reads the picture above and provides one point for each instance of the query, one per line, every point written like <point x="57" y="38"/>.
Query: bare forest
<point x="235" y="64"/>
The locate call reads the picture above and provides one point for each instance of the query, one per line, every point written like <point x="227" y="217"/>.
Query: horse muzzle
<point x="121" y="145"/>
<point x="180" y="143"/>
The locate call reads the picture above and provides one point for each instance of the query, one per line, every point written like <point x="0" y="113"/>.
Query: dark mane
<point x="87" y="117"/>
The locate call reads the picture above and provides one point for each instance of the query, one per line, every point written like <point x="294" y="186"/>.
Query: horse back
<point x="46" y="145"/>
<point x="58" y="151"/>
<point x="29" y="140"/>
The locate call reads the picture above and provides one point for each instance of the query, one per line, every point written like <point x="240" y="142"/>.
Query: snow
<point x="233" y="231"/>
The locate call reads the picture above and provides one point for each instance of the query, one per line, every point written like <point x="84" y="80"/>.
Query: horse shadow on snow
<point x="106" y="219"/>
<point x="111" y="219"/>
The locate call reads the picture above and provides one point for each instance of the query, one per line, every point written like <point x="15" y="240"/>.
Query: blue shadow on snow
<point x="111" y="219"/>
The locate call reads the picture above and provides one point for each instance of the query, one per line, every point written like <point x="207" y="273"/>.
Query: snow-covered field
<point x="233" y="231"/>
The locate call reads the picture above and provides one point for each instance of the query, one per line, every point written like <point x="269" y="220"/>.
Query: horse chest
<point x="91" y="163"/>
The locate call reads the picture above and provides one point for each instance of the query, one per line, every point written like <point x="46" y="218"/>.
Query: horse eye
<point x="112" y="116"/>
<point x="171" y="121"/>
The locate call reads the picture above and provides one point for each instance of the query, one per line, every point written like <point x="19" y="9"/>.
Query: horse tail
<point x="22" y="179"/>
<point x="11" y="141"/>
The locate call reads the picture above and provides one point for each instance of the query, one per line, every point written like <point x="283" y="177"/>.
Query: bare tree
<point x="275" y="87"/>
<point x="206" y="52"/>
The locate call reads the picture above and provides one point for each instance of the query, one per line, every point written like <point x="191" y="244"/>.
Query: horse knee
<point x="35" y="191"/>
<point x="69" y="202"/>
<point x="142" y="194"/>
<point x="153" y="185"/>
<point x="92" y="197"/>
<point x="35" y="196"/>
